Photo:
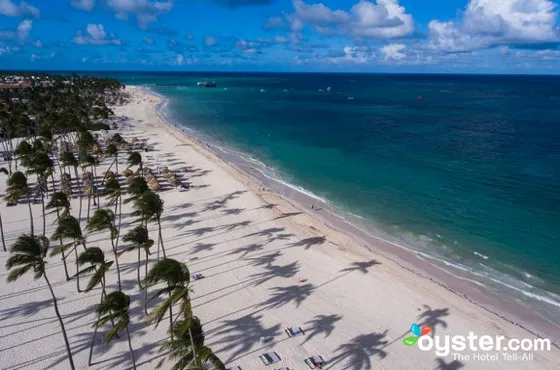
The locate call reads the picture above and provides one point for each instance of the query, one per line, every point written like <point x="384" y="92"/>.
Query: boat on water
<point x="206" y="83"/>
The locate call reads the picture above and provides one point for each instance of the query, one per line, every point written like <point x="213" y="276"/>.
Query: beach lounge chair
<point x="295" y="331"/>
<point x="269" y="358"/>
<point x="197" y="276"/>
<point x="315" y="362"/>
<point x="234" y="368"/>
<point x="284" y="368"/>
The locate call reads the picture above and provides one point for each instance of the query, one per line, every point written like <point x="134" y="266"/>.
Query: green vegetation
<point x="46" y="128"/>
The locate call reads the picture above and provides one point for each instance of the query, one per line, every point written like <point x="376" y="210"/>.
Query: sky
<point x="400" y="36"/>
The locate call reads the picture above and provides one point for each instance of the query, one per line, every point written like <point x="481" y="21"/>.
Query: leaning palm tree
<point x="28" y="254"/>
<point x="60" y="204"/>
<point x="114" y="194"/>
<point x="2" y="234"/>
<point x="176" y="276"/>
<point x="149" y="207"/>
<point x="115" y="306"/>
<point x="188" y="349"/>
<point x="136" y="188"/>
<point x="140" y="241"/>
<point x="17" y="189"/>
<point x="112" y="151"/>
<point x="69" y="228"/>
<point x="95" y="258"/>
<point x="104" y="219"/>
<point x="135" y="159"/>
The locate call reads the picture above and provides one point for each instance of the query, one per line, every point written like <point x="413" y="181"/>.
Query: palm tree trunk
<point x="30" y="215"/>
<point x="138" y="270"/>
<point x="160" y="238"/>
<point x="88" y="207"/>
<point x="79" y="192"/>
<point x="96" y="328"/>
<point x="44" y="216"/>
<point x="77" y="269"/>
<point x="61" y="323"/>
<point x="63" y="256"/>
<point x="2" y="233"/>
<point x="193" y="345"/>
<point x="117" y="263"/>
<point x="171" y="318"/>
<point x="130" y="347"/>
<point x="146" y="286"/>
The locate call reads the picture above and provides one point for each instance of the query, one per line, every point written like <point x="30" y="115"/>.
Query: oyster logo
<point x="418" y="332"/>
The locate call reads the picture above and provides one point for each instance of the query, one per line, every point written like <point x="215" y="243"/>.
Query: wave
<point x="480" y="274"/>
<point x="484" y="257"/>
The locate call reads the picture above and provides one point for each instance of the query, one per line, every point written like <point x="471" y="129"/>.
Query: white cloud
<point x="280" y="40"/>
<point x="38" y="43"/>
<point x="95" y="35"/>
<point x="23" y="29"/>
<point x="85" y="5"/>
<point x="381" y="19"/>
<point x="35" y="57"/>
<point x="353" y="55"/>
<point x="84" y="59"/>
<point x="393" y="51"/>
<point x="209" y="41"/>
<point x="146" y="11"/>
<point x="180" y="59"/>
<point x="148" y="41"/>
<point x="11" y="9"/>
<point x="274" y="22"/>
<point x="8" y="50"/>
<point x="487" y="23"/>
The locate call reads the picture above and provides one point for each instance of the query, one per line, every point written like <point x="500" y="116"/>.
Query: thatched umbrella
<point x="153" y="185"/>
<point x="128" y="172"/>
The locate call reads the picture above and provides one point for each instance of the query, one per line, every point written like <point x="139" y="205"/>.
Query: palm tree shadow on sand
<point x="357" y="353"/>
<point x="454" y="365"/>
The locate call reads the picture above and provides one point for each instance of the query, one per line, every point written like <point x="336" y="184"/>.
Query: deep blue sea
<point x="470" y="174"/>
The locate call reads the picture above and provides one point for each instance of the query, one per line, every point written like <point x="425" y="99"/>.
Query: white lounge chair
<point x="315" y="362"/>
<point x="269" y="358"/>
<point x="295" y="331"/>
<point x="197" y="276"/>
<point x="234" y="368"/>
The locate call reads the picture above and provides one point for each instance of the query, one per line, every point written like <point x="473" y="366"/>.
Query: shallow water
<point x="467" y="176"/>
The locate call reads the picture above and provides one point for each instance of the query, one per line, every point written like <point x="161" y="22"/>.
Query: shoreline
<point x="522" y="316"/>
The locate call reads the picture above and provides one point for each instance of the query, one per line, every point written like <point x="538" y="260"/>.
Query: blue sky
<point x="459" y="36"/>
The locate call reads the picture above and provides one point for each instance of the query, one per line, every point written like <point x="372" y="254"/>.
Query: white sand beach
<point x="267" y="266"/>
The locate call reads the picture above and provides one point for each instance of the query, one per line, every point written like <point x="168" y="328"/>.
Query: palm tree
<point x="59" y="202"/>
<point x="114" y="193"/>
<point x="2" y="233"/>
<point x="136" y="188"/>
<point x="188" y="349"/>
<point x="177" y="278"/>
<point x="68" y="159"/>
<point x="104" y="219"/>
<point x="18" y="188"/>
<point x="135" y="159"/>
<point x="28" y="254"/>
<point x="95" y="257"/>
<point x="69" y="228"/>
<point x="149" y="207"/>
<point x="112" y="151"/>
<point x="140" y="241"/>
<point x="115" y="307"/>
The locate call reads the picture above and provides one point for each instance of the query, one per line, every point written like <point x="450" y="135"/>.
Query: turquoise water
<point x="470" y="174"/>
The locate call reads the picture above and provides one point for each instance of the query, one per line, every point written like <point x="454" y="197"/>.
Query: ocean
<point x="463" y="170"/>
